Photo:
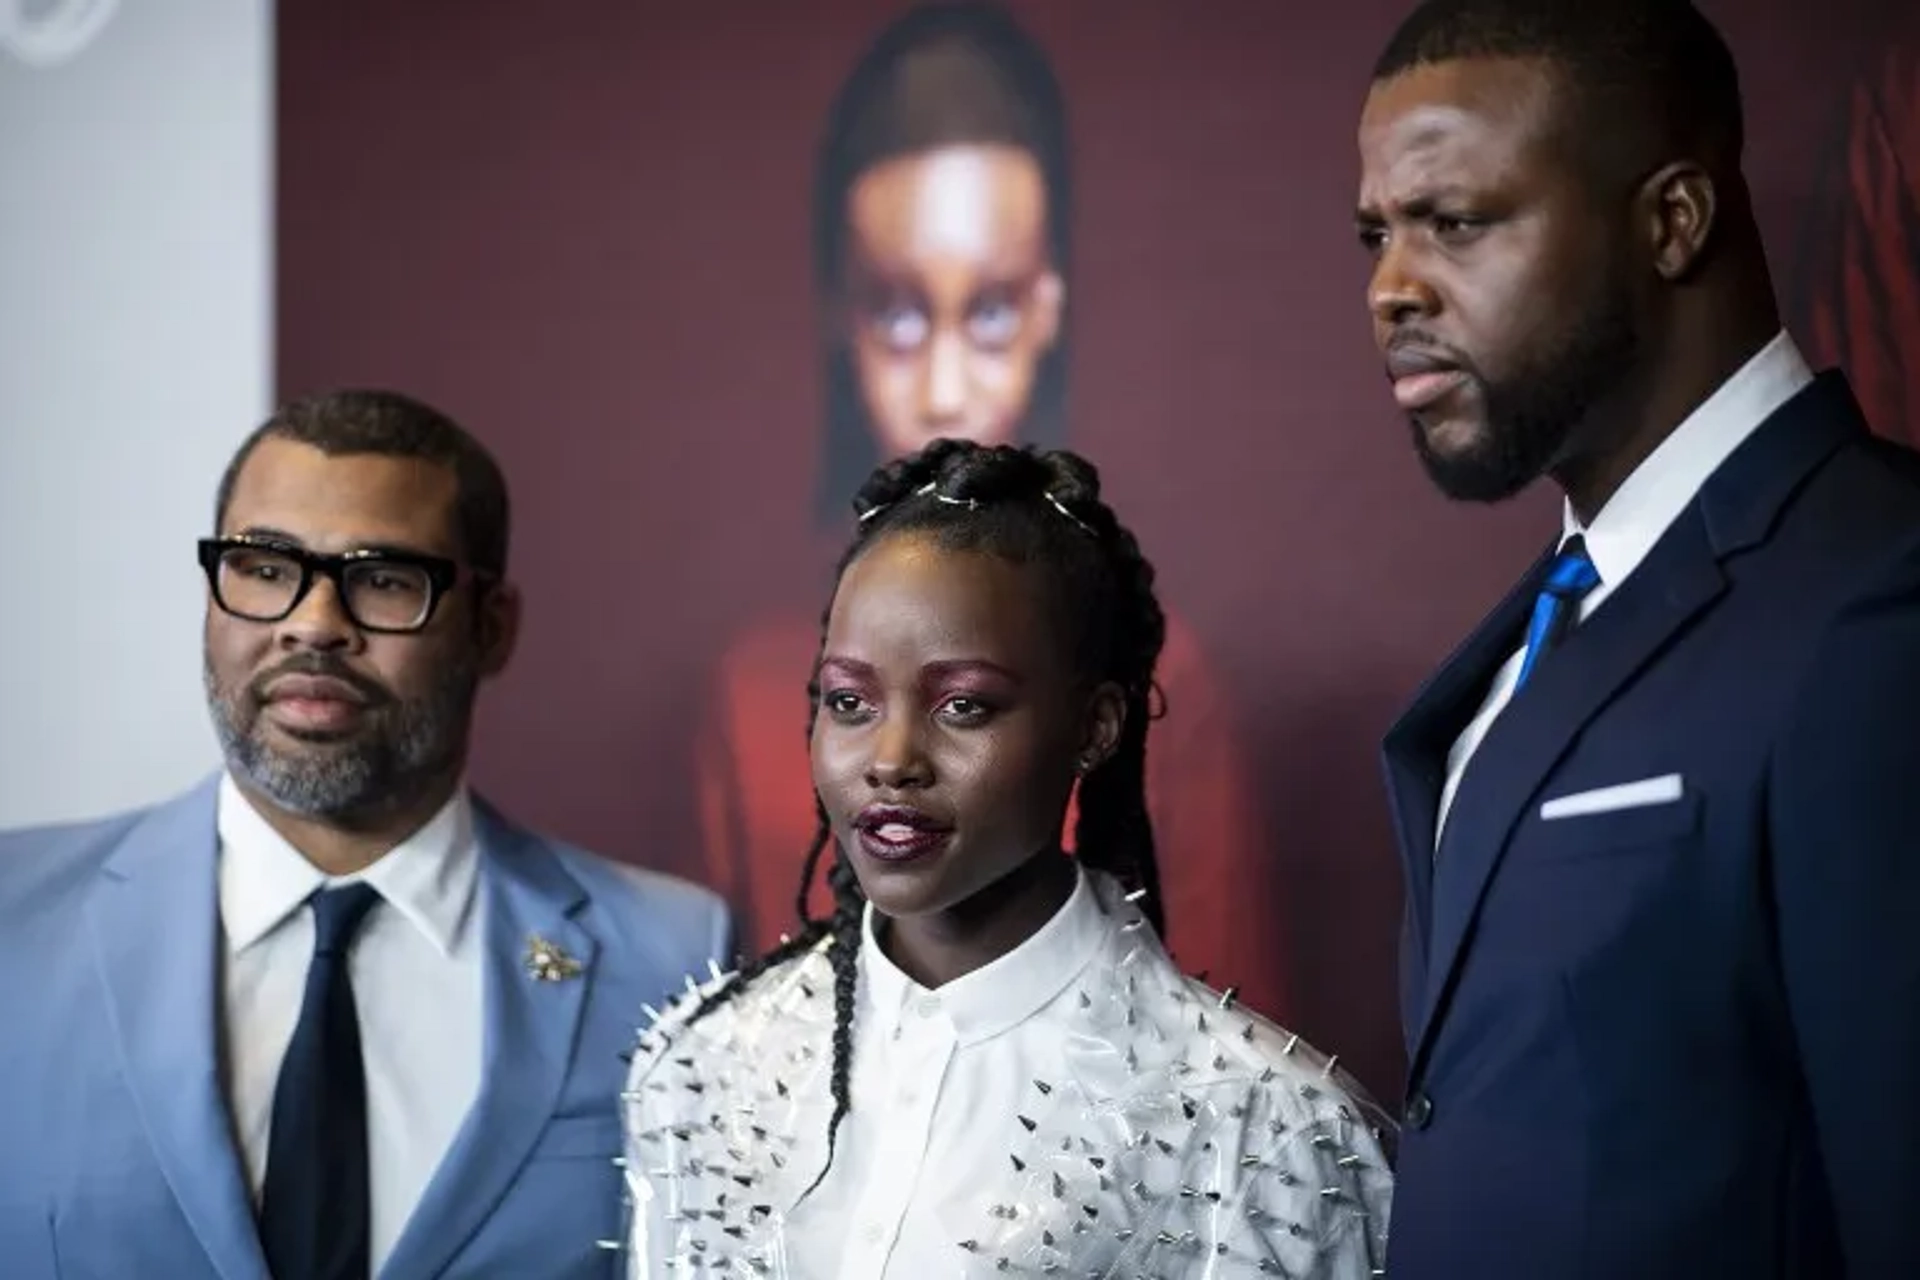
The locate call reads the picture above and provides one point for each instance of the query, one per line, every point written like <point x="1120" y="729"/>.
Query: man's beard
<point x="402" y="746"/>
<point x="1532" y="413"/>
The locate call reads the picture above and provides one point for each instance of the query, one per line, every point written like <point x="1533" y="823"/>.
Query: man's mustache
<point x="320" y="665"/>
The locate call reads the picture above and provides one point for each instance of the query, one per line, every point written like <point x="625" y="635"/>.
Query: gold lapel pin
<point x="549" y="961"/>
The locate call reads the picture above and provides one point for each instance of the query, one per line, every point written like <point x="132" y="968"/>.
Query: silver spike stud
<point x="1028" y="1125"/>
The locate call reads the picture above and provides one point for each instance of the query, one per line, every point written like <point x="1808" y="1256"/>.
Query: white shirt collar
<point x="1000" y="995"/>
<point x="1661" y="487"/>
<point x="429" y="878"/>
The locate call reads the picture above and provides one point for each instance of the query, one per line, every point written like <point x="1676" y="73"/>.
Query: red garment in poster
<point x="1860" y="282"/>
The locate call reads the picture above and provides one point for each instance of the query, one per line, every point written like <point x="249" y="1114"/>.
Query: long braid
<point x="1114" y="831"/>
<point x="811" y="931"/>
<point x="843" y="953"/>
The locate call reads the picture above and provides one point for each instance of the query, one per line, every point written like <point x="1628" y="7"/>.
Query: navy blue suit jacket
<point x="1682" y="1039"/>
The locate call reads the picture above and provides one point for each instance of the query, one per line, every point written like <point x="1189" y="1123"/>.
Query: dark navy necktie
<point x="1569" y="579"/>
<point x="315" y="1207"/>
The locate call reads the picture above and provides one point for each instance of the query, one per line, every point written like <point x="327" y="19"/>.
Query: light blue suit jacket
<point x="117" y="1159"/>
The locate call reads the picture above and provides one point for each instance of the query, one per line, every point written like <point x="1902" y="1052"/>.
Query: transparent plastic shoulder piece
<point x="715" y="1112"/>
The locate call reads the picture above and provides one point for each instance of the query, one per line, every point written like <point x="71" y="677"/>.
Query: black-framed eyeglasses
<point x="264" y="580"/>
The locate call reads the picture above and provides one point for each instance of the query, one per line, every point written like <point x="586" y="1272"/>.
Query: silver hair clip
<point x="1061" y="508"/>
<point x="930" y="487"/>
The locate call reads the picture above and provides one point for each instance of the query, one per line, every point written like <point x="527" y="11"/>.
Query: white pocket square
<point x="1627" y="795"/>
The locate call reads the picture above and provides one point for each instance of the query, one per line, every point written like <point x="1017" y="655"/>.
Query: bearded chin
<point x="408" y="746"/>
<point x="1531" y="415"/>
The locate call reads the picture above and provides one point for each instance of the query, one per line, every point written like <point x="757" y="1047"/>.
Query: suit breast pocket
<point x="1571" y="888"/>
<point x="1613" y="831"/>
<point x="26" y="1244"/>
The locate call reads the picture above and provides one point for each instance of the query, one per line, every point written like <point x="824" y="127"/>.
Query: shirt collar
<point x="1660" y="488"/>
<point x="999" y="996"/>
<point x="429" y="878"/>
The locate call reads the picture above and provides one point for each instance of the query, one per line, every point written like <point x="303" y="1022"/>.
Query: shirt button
<point x="908" y="1097"/>
<point x="1419" y="1113"/>
<point x="929" y="1005"/>
<point x="873" y="1233"/>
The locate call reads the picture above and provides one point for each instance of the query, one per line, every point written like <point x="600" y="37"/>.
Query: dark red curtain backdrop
<point x="583" y="230"/>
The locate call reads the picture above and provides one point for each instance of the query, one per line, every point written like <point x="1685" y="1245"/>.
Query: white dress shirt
<point x="415" y="966"/>
<point x="1646" y="503"/>
<point x="1075" y="1106"/>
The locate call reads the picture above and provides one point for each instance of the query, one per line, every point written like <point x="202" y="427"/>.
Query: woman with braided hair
<point x="982" y="1059"/>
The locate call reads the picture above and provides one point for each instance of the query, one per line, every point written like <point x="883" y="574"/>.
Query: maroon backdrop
<point x="583" y="230"/>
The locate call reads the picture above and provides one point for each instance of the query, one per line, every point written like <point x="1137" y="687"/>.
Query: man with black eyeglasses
<point x="329" y="1015"/>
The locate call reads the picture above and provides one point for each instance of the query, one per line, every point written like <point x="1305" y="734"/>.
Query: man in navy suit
<point x="329" y="1015"/>
<point x="1660" y="813"/>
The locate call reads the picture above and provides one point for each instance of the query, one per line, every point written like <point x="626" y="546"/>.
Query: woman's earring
<point x="1085" y="765"/>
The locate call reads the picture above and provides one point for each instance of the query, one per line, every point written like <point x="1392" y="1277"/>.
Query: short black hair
<point x="389" y="424"/>
<point x="946" y="73"/>
<point x="1660" y="65"/>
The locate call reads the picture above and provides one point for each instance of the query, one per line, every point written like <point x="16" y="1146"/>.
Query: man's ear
<point x="497" y="626"/>
<point x="1680" y="208"/>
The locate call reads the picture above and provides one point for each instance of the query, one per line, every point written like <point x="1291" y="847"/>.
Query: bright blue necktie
<point x="1569" y="579"/>
<point x="315" y="1208"/>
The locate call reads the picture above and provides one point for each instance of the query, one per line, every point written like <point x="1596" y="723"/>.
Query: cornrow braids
<point x="1033" y="508"/>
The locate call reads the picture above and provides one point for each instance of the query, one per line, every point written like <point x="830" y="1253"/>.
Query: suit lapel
<point x="1679" y="579"/>
<point x="529" y="1042"/>
<point x="1415" y="748"/>
<point x="155" y="922"/>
